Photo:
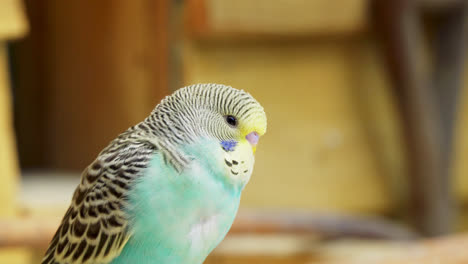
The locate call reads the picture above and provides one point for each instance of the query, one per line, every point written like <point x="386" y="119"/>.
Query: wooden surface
<point x="307" y="250"/>
<point x="13" y="22"/>
<point x="426" y="84"/>
<point x="245" y="249"/>
<point x="103" y="68"/>
<point x="108" y="69"/>
<point x="460" y="166"/>
<point x="215" y="18"/>
<point x="9" y="171"/>
<point x="29" y="74"/>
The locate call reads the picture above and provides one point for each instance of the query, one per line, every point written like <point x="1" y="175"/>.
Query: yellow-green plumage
<point x="168" y="189"/>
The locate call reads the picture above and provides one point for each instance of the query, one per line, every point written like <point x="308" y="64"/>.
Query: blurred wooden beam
<point x="226" y="18"/>
<point x="29" y="75"/>
<point x="301" y="249"/>
<point x="321" y="225"/>
<point x="37" y="232"/>
<point x="13" y="22"/>
<point x="403" y="43"/>
<point x="103" y="66"/>
<point x="27" y="232"/>
<point x="427" y="104"/>
<point x="450" y="47"/>
<point x="9" y="169"/>
<point x="438" y="5"/>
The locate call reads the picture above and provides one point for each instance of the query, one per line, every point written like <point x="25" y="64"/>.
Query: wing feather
<point x="95" y="227"/>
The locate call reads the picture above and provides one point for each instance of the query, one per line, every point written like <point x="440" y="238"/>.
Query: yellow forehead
<point x="257" y="123"/>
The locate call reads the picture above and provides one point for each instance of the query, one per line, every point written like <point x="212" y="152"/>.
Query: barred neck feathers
<point x="198" y="112"/>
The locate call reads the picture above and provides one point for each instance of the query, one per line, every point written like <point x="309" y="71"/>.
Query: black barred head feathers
<point x="207" y="110"/>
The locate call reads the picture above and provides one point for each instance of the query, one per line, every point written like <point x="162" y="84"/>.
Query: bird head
<point x="231" y="116"/>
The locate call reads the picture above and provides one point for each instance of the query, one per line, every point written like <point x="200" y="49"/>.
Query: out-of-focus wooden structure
<point x="307" y="250"/>
<point x="13" y="24"/>
<point x="233" y="19"/>
<point x="87" y="71"/>
<point x="427" y="88"/>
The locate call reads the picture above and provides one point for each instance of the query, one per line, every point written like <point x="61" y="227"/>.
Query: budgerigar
<point x="167" y="190"/>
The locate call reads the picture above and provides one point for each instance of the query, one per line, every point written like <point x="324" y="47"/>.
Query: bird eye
<point x="231" y="120"/>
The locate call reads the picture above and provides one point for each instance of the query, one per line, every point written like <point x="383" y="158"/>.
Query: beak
<point x="253" y="138"/>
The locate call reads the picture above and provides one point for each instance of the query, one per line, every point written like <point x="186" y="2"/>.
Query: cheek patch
<point x="228" y="145"/>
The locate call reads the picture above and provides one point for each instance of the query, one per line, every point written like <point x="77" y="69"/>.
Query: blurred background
<point x="367" y="101"/>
